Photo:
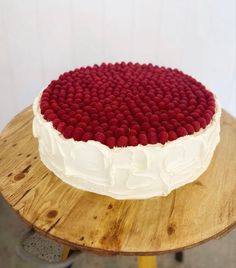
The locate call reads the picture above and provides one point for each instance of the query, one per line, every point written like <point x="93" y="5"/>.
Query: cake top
<point x="126" y="104"/>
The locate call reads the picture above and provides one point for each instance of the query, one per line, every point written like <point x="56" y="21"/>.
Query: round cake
<point x="125" y="130"/>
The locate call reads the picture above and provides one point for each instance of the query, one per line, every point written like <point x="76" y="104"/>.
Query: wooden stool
<point x="190" y="215"/>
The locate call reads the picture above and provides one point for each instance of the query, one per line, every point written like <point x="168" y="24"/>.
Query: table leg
<point x="65" y="253"/>
<point x="179" y="256"/>
<point x="147" y="262"/>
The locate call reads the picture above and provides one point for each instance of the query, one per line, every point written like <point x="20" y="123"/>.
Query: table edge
<point x="99" y="251"/>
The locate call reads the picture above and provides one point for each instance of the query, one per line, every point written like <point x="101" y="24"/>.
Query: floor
<point x="216" y="253"/>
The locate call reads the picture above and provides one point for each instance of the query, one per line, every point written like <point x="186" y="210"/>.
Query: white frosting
<point x="126" y="173"/>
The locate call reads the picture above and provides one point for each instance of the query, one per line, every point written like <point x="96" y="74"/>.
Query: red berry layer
<point x="126" y="104"/>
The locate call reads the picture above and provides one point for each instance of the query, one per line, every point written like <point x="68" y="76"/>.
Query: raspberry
<point x="111" y="142"/>
<point x="170" y="106"/>
<point x="202" y="122"/>
<point x="196" y="125"/>
<point x="163" y="116"/>
<point x="113" y="121"/>
<point x="190" y="108"/>
<point x="171" y="114"/>
<point x="143" y="139"/>
<point x="98" y="129"/>
<point x="122" y="141"/>
<point x="212" y="102"/>
<point x="146" y="109"/>
<point x="163" y="137"/>
<point x="161" y="104"/>
<point x="140" y="117"/>
<point x="211" y="108"/>
<point x="151" y="129"/>
<point x="48" y="112"/>
<point x="177" y="110"/>
<point x="68" y="131"/>
<point x="164" y="124"/>
<point x="152" y="138"/>
<point x="113" y="128"/>
<point x="123" y="108"/>
<point x="207" y="118"/>
<point x="200" y="107"/>
<point x="120" y="117"/>
<point x="179" y="116"/>
<point x="85" y="119"/>
<point x="169" y="127"/>
<point x="145" y="125"/>
<point x="51" y="117"/>
<point x="72" y="121"/>
<point x="87" y="136"/>
<point x="181" y="131"/>
<point x="189" y="129"/>
<point x="136" y="127"/>
<point x="195" y="115"/>
<point x="110" y="115"/>
<point x="43" y="108"/>
<point x="99" y="136"/>
<point x="94" y="123"/>
<point x="156" y="124"/>
<point x="189" y="119"/>
<point x="172" y="135"/>
<point x="133" y="141"/>
<point x="61" y="126"/>
<point x="193" y="102"/>
<point x="108" y="109"/>
<point x="77" y="133"/>
<point x="159" y="129"/>
<point x="74" y="106"/>
<point x="182" y="106"/>
<point x="60" y="113"/>
<point x="94" y="116"/>
<point x="55" y="123"/>
<point x="82" y="125"/>
<point x="209" y="112"/>
<point x="104" y="126"/>
<point x="119" y="132"/>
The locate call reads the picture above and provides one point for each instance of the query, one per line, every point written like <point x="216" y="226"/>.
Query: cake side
<point x="131" y="172"/>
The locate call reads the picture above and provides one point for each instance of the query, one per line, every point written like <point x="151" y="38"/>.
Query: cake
<point x="126" y="130"/>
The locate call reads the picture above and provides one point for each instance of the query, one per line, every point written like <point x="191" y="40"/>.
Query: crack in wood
<point x="21" y="175"/>
<point x="29" y="190"/>
<point x="172" y="204"/>
<point x="53" y="225"/>
<point x="26" y="170"/>
<point x="26" y="192"/>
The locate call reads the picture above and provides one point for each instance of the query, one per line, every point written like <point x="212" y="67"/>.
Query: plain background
<point x="39" y="39"/>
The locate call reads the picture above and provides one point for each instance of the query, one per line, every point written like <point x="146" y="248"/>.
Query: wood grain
<point x="190" y="215"/>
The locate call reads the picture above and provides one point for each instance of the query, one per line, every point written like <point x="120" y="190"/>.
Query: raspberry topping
<point x="126" y="104"/>
<point x="122" y="141"/>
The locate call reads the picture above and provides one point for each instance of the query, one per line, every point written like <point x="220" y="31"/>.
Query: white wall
<point x="40" y="39"/>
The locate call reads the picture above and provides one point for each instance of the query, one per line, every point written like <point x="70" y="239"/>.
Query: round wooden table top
<point x="188" y="216"/>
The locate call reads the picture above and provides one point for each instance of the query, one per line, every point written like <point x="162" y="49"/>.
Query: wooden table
<point x="189" y="216"/>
